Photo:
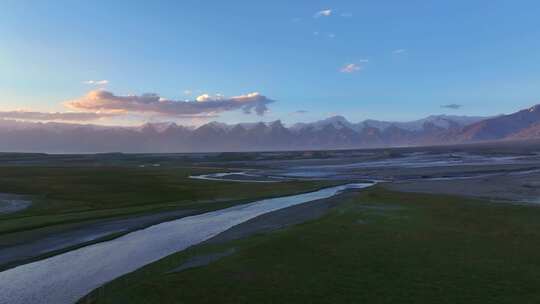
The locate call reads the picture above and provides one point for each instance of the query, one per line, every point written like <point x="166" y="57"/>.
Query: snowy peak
<point x="157" y="127"/>
<point x="337" y="122"/>
<point x="440" y="121"/>
<point x="331" y="133"/>
<point x="535" y="108"/>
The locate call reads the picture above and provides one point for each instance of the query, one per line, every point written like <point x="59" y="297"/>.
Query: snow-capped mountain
<point x="331" y="133"/>
<point x="442" y="121"/>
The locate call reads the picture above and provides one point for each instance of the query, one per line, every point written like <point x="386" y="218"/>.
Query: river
<point x="67" y="277"/>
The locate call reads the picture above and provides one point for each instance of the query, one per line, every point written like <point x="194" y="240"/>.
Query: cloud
<point x="54" y="116"/>
<point x="452" y="106"/>
<point x="299" y="112"/>
<point x="350" y="68"/>
<point x="323" y="34"/>
<point x="323" y="13"/>
<point x="96" y="82"/>
<point x="150" y="103"/>
<point x="399" y="51"/>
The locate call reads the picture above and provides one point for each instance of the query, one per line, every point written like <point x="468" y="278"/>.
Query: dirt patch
<point x="267" y="223"/>
<point x="519" y="188"/>
<point x="203" y="260"/>
<point x="282" y="218"/>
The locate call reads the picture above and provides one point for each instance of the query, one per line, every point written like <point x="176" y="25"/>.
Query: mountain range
<point x="331" y="133"/>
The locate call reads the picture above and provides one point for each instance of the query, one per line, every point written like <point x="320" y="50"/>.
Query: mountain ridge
<point x="332" y="133"/>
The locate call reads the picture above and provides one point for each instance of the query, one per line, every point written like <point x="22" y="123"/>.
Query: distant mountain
<point x="504" y="126"/>
<point x="331" y="133"/>
<point x="337" y="122"/>
<point x="443" y="121"/>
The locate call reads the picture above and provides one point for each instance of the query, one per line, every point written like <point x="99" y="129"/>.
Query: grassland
<point x="377" y="247"/>
<point x="63" y="195"/>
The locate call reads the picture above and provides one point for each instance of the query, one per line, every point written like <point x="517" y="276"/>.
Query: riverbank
<point x="87" y="268"/>
<point x="376" y="246"/>
<point x="283" y="218"/>
<point x="512" y="187"/>
<point x="20" y="248"/>
<point x="103" y="203"/>
<point x="23" y="247"/>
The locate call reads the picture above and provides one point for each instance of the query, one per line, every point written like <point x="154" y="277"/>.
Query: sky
<point x="127" y="62"/>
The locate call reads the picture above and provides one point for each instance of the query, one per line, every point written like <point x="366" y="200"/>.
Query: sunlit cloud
<point x="96" y="82"/>
<point x="323" y="13"/>
<point x="105" y="101"/>
<point x="350" y="68"/>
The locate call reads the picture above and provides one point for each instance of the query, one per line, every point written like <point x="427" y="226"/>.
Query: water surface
<point x="10" y="203"/>
<point x="67" y="277"/>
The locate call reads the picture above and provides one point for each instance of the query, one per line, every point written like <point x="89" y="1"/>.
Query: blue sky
<point x="406" y="58"/>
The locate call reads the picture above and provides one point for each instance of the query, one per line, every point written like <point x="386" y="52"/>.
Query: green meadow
<point x="64" y="195"/>
<point x="376" y="247"/>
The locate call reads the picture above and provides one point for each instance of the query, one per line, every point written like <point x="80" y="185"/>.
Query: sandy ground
<point x="523" y="187"/>
<point x="282" y="218"/>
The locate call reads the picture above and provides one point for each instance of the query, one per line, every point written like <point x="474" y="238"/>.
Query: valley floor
<point x="373" y="246"/>
<point x="445" y="225"/>
<point x="78" y="205"/>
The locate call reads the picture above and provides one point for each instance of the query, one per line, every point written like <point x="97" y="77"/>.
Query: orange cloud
<point x="105" y="101"/>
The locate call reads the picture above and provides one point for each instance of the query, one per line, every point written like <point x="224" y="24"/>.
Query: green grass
<point x="63" y="195"/>
<point x="379" y="247"/>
